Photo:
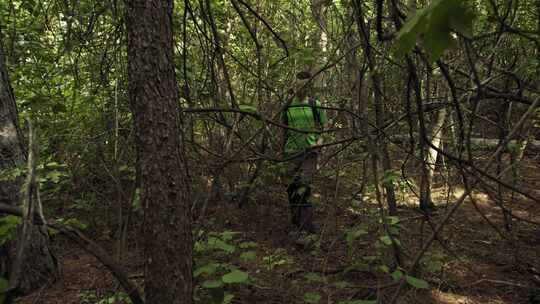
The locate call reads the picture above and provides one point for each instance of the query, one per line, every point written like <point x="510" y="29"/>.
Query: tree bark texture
<point x="37" y="264"/>
<point x="153" y="94"/>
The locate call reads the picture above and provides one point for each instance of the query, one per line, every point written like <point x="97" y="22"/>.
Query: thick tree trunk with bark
<point x="153" y="94"/>
<point x="37" y="265"/>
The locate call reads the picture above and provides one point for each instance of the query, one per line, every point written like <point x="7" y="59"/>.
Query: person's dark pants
<point x="301" y="170"/>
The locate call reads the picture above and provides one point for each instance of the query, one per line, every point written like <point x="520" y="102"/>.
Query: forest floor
<point x="469" y="263"/>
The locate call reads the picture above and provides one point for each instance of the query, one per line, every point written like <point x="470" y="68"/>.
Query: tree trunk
<point x="38" y="264"/>
<point x="376" y="81"/>
<point x="320" y="40"/>
<point x="154" y="96"/>
<point x="436" y="141"/>
<point x="426" y="201"/>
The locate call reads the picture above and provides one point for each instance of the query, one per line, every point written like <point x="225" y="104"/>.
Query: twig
<point x="499" y="282"/>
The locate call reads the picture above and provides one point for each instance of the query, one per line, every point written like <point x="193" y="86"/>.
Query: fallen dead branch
<point x="89" y="246"/>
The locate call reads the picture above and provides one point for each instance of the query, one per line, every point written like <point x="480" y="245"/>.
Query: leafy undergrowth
<point x="246" y="256"/>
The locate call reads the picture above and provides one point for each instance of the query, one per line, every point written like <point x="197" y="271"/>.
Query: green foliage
<point x="248" y="108"/>
<point x="397" y="275"/>
<point x="392" y="236"/>
<point x="248" y="256"/>
<point x="435" y="24"/>
<point x="313" y="277"/>
<point x="217" y="276"/>
<point x="116" y="298"/>
<point x="8" y="228"/>
<point x="235" y="276"/>
<point x="312" y="297"/>
<point x="4" y="284"/>
<point x="413" y="281"/>
<point x="433" y="261"/>
<point x="278" y="258"/>
<point x="390" y="177"/>
<point x="386" y="240"/>
<point x="12" y="173"/>
<point x="416" y="282"/>
<point x="73" y="222"/>
<point x="217" y="242"/>
<point x="53" y="178"/>
<point x="353" y="234"/>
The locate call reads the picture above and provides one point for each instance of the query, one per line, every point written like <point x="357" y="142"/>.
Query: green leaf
<point x="386" y="240"/>
<point x="228" y="235"/>
<point x="406" y="36"/>
<point x="248" y="256"/>
<point x="228" y="298"/>
<point x="436" y="42"/>
<point x="247" y="108"/>
<point x="236" y="276"/>
<point x="216" y="243"/>
<point x="313" y="277"/>
<point x="357" y="266"/>
<point x="207" y="269"/>
<point x="246" y="245"/>
<point x="75" y="223"/>
<point x="434" y="266"/>
<point x="434" y="23"/>
<point x="397" y="275"/>
<point x="417" y="283"/>
<point x="211" y="284"/>
<point x="55" y="176"/>
<point x="312" y="298"/>
<point x="353" y="234"/>
<point x="8" y="227"/>
<point x="463" y="23"/>
<point x="392" y="220"/>
<point x="384" y="268"/>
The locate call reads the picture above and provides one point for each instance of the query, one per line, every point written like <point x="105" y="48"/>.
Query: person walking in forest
<point x="304" y="113"/>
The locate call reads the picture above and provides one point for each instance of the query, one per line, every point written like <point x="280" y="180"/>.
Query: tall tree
<point x="36" y="263"/>
<point x="154" y="97"/>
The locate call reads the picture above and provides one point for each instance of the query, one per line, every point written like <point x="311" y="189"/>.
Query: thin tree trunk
<point x="427" y="164"/>
<point x="320" y="40"/>
<point x="153" y="94"/>
<point x="376" y="81"/>
<point x="436" y="141"/>
<point x="38" y="265"/>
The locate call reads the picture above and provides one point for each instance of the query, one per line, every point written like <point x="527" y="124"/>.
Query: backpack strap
<point x="316" y="113"/>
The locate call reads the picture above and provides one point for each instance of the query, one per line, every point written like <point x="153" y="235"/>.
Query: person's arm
<point x="324" y="123"/>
